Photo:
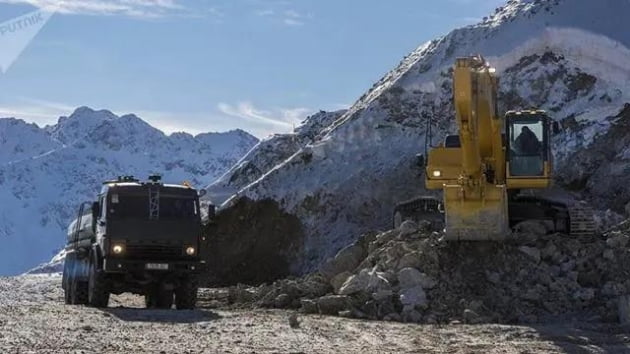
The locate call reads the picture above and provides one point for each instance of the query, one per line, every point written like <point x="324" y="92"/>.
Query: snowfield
<point x="35" y="320"/>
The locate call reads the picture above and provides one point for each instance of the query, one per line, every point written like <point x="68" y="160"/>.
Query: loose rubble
<point x="413" y="275"/>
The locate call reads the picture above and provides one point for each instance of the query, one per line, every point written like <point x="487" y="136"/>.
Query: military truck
<point x="138" y="237"/>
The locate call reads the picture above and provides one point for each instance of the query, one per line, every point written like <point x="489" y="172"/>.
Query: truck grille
<point x="154" y="251"/>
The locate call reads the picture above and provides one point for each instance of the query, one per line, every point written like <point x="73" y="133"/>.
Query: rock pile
<point x="411" y="274"/>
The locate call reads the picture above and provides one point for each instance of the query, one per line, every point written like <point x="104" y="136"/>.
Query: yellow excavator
<point x="487" y="172"/>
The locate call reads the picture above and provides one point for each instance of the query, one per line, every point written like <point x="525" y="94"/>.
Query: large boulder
<point x="532" y="252"/>
<point x="617" y="240"/>
<point x="408" y="227"/>
<point x="309" y="306"/>
<point x="412" y="298"/>
<point x="346" y="260"/>
<point x="333" y="304"/>
<point x="624" y="309"/>
<point x="338" y="280"/>
<point x="410" y="260"/>
<point x="532" y="227"/>
<point x="411" y="277"/>
<point x="367" y="281"/>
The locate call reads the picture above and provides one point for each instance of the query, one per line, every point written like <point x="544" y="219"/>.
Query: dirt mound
<point x="251" y="242"/>
<point x="413" y="275"/>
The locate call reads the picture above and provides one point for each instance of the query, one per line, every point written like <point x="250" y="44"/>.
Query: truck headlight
<point x="191" y="251"/>
<point x="437" y="173"/>
<point x="118" y="248"/>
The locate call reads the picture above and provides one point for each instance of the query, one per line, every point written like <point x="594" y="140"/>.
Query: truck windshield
<point x="137" y="207"/>
<point x="177" y="208"/>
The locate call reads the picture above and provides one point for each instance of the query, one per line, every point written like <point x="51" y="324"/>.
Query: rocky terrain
<point x="412" y="275"/>
<point x="34" y="319"/>
<point x="46" y="172"/>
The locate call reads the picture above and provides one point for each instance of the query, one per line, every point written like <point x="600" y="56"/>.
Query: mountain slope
<point x="268" y="153"/>
<point x="566" y="56"/>
<point x="45" y="173"/>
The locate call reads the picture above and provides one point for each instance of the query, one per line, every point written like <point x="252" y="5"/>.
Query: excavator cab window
<point x="527" y="142"/>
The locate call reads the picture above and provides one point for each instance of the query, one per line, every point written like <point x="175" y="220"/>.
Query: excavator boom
<point x="475" y="192"/>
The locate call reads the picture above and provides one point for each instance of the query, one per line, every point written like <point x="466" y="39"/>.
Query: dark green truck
<point x="138" y="237"/>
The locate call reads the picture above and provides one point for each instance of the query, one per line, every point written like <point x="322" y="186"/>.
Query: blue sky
<point x="214" y="65"/>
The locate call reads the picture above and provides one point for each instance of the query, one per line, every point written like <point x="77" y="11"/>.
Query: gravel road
<point x="33" y="319"/>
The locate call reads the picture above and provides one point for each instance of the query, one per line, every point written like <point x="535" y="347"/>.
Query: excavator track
<point x="581" y="221"/>
<point x="422" y="208"/>
<point x="573" y="218"/>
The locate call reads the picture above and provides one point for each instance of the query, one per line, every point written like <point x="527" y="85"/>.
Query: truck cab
<point x="138" y="237"/>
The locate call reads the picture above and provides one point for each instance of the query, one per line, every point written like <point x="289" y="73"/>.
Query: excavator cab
<point x="528" y="152"/>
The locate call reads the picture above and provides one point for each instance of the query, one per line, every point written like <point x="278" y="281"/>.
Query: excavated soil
<point x="252" y="242"/>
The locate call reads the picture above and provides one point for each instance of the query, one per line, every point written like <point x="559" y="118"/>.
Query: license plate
<point x="157" y="266"/>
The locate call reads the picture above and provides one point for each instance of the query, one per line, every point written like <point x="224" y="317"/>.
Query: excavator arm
<point x="472" y="175"/>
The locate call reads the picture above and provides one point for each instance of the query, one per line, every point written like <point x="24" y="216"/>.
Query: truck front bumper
<point x="113" y="265"/>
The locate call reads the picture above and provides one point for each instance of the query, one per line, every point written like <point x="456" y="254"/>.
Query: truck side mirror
<point x="212" y="211"/>
<point x="95" y="210"/>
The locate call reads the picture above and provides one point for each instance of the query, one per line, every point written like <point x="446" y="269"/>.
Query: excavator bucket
<point x="476" y="214"/>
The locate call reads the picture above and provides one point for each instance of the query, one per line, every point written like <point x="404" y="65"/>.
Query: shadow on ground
<point x="165" y="316"/>
<point x="586" y="337"/>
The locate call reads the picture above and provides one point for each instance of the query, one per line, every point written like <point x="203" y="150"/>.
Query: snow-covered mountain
<point x="570" y="57"/>
<point x="268" y="153"/>
<point x="45" y="173"/>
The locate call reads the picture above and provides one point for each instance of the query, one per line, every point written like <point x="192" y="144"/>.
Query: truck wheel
<point x="78" y="288"/>
<point x="160" y="299"/>
<point x="98" y="294"/>
<point x="186" y="294"/>
<point x="67" y="279"/>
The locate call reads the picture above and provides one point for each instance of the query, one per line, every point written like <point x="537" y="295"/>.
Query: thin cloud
<point x="470" y="20"/>
<point x="131" y="8"/>
<point x="293" y="18"/>
<point x="36" y="111"/>
<point x="280" y="118"/>
<point x="264" y="13"/>
<point x="176" y="122"/>
<point x="292" y="14"/>
<point x="293" y="22"/>
<point x="282" y="13"/>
